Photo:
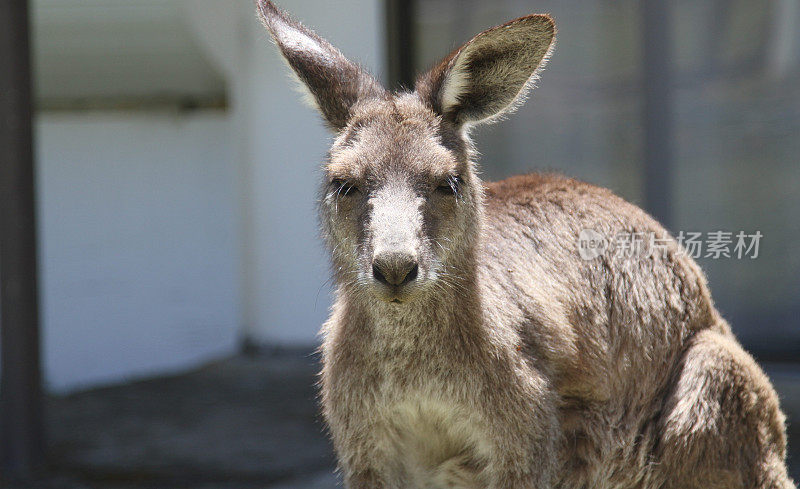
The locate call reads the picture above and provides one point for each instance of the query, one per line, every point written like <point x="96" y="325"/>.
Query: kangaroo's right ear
<point x="334" y="82"/>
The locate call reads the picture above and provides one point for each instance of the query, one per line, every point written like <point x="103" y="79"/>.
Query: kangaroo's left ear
<point x="491" y="74"/>
<point x="334" y="82"/>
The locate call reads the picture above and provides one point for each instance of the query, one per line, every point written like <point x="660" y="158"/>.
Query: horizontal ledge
<point x="166" y="102"/>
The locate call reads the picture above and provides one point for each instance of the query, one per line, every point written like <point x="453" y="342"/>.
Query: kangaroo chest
<point x="435" y="442"/>
<point x="424" y="410"/>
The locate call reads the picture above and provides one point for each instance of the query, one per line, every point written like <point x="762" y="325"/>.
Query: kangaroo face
<point x="398" y="199"/>
<point x="401" y="204"/>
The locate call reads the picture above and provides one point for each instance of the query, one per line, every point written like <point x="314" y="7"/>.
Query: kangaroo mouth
<point x="393" y="294"/>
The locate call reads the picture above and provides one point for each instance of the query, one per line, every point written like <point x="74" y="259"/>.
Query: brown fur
<point x="469" y="345"/>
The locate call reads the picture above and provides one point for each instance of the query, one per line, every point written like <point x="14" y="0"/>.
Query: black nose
<point x="395" y="268"/>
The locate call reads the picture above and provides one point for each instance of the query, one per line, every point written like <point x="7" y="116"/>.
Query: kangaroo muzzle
<point x="395" y="226"/>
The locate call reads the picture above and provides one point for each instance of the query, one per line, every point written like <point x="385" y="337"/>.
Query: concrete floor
<point x="243" y="423"/>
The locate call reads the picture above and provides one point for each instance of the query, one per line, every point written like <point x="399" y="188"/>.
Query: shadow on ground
<point x="250" y="421"/>
<point x="246" y="422"/>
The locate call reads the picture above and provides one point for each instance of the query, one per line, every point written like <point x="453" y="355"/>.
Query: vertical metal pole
<point x="400" y="43"/>
<point x="657" y="117"/>
<point x="21" y="434"/>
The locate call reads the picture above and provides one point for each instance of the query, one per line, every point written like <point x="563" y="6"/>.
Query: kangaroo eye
<point x="450" y="187"/>
<point x="343" y="187"/>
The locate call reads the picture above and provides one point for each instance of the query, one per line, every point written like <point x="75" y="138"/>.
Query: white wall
<point x="166" y="238"/>
<point x="138" y="233"/>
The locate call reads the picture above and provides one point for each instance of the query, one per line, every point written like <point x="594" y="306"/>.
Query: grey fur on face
<point x="470" y="345"/>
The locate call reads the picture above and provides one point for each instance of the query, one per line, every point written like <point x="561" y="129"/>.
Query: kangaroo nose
<point x="395" y="268"/>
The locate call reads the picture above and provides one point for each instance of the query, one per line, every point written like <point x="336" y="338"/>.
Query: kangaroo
<point x="471" y="345"/>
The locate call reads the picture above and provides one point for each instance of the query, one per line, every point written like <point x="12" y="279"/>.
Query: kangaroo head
<point x="401" y="204"/>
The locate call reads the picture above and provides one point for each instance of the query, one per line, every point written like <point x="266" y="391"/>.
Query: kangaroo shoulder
<point x="535" y="184"/>
<point x="560" y="198"/>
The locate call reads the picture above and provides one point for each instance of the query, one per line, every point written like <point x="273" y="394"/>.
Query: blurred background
<point x="181" y="279"/>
